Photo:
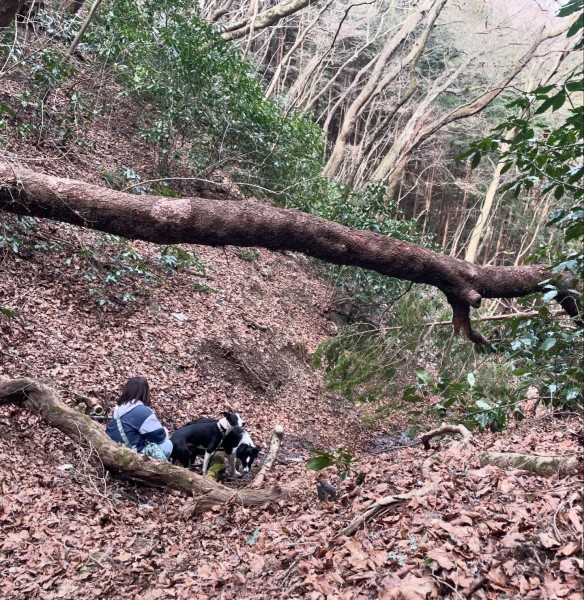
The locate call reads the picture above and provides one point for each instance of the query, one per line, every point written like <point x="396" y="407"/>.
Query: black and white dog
<point x="203" y="434"/>
<point x="237" y="445"/>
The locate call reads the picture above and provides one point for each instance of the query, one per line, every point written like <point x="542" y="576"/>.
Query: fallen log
<point x="45" y="401"/>
<point x="540" y="465"/>
<point x="273" y="450"/>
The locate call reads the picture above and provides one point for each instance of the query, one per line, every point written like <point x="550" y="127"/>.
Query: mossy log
<point x="216" y="468"/>
<point x="45" y="401"/>
<point x="540" y="465"/>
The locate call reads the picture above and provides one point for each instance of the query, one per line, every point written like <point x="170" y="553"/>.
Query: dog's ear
<point x="255" y="451"/>
<point x="243" y="447"/>
<point x="226" y="414"/>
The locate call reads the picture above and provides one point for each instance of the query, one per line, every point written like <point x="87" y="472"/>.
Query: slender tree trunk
<point x="414" y="135"/>
<point x="477" y="232"/>
<point x="431" y="8"/>
<point x="84" y="27"/>
<point x="300" y="38"/>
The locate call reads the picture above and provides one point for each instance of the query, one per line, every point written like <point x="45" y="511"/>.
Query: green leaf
<point x="475" y="160"/>
<point x="544" y="106"/>
<point x="574" y="231"/>
<point x="319" y="463"/>
<point x="558" y="100"/>
<point x="4" y="108"/>
<point x="424" y="375"/>
<point x="548" y="344"/>
<point x="570" y="7"/>
<point x="576" y="26"/>
<point x="483" y="404"/>
<point x="559" y="192"/>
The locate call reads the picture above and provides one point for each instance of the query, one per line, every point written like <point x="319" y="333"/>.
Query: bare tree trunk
<point x="84" y="27"/>
<point x="301" y="36"/>
<point x="8" y="10"/>
<point x="244" y="223"/>
<point x="416" y="132"/>
<point x="371" y="87"/>
<point x="477" y="232"/>
<point x="43" y="400"/>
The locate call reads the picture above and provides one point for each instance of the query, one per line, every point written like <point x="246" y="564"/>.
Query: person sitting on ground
<point x="135" y="425"/>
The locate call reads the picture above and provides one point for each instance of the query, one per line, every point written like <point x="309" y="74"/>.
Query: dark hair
<point x="136" y="389"/>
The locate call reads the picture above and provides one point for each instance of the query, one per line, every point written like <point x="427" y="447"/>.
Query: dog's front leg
<point x="231" y="462"/>
<point x="208" y="456"/>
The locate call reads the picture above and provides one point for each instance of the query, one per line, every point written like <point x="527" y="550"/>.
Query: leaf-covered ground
<point x="241" y="336"/>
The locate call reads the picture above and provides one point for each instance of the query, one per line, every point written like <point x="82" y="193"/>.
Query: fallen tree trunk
<point x="42" y="399"/>
<point x="540" y="465"/>
<point x="227" y="222"/>
<point x="274" y="448"/>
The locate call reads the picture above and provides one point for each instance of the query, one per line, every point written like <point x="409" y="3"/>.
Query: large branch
<point x="42" y="399"/>
<point x="264" y="19"/>
<point x="245" y="223"/>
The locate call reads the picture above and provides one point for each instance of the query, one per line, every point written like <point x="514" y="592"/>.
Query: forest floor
<point x="238" y="331"/>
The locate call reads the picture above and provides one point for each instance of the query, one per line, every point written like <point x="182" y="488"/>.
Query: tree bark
<point x="41" y="399"/>
<point x="237" y="223"/>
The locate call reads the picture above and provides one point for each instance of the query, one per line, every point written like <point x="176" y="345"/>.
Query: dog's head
<point x="234" y="419"/>
<point x="247" y="454"/>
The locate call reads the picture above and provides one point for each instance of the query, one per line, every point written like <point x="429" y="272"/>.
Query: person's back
<point x="135" y="425"/>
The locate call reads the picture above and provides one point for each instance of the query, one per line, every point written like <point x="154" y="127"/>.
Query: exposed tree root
<point x="381" y="506"/>
<point x="274" y="448"/>
<point x="540" y="465"/>
<point x="40" y="398"/>
<point x="444" y="428"/>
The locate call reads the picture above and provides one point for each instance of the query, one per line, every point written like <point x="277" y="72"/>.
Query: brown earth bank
<point x="241" y="336"/>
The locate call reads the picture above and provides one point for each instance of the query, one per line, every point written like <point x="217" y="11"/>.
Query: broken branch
<point x="274" y="448"/>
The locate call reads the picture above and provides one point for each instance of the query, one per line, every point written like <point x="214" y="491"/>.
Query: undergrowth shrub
<point x="205" y="103"/>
